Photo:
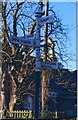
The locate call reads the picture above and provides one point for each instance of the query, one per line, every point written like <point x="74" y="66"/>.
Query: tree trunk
<point x="13" y="90"/>
<point x="13" y="94"/>
<point x="45" y="79"/>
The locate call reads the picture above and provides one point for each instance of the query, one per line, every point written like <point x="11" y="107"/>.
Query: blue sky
<point x="68" y="12"/>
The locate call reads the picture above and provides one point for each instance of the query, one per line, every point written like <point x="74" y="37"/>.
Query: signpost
<point x="34" y="40"/>
<point x="37" y="63"/>
<point x="51" y="65"/>
<point x="28" y="40"/>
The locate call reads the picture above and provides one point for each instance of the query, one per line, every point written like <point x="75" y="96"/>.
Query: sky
<point x="68" y="12"/>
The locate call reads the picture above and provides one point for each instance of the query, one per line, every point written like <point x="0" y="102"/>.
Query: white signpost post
<point x="37" y="63"/>
<point x="28" y="40"/>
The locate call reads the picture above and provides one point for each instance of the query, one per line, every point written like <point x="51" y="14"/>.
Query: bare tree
<point x="17" y="63"/>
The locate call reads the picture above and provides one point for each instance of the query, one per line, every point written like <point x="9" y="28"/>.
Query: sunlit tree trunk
<point x="46" y="72"/>
<point x="3" y="93"/>
<point x="45" y="78"/>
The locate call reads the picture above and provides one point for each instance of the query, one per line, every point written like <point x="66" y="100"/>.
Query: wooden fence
<point x="28" y="114"/>
<point x="20" y="114"/>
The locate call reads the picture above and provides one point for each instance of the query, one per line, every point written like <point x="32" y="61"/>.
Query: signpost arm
<point x="38" y="65"/>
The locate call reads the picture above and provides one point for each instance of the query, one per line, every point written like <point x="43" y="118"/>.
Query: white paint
<point x="56" y="114"/>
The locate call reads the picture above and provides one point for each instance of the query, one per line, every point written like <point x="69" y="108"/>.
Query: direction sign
<point x="24" y="40"/>
<point x="51" y="65"/>
<point x="46" y="19"/>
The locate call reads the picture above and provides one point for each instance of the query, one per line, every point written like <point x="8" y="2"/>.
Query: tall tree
<point x="17" y="63"/>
